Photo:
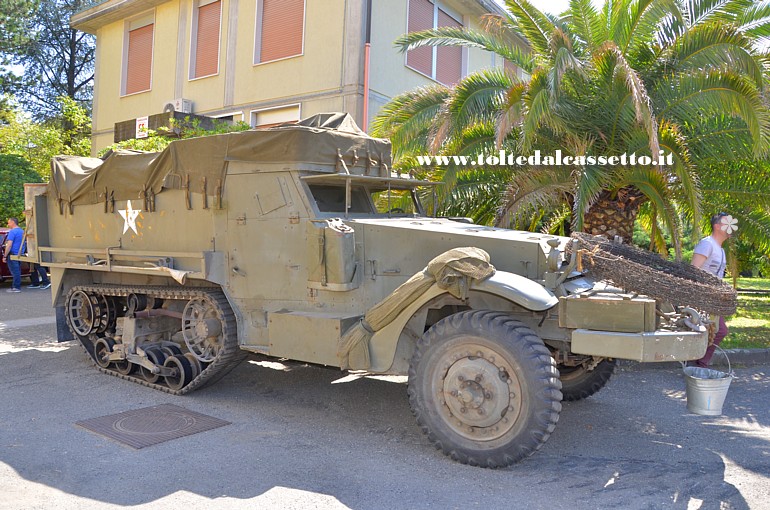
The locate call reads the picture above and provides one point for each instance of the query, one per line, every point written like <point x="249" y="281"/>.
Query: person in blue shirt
<point x="13" y="247"/>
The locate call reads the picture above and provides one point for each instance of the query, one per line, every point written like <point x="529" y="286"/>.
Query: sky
<point x="554" y="6"/>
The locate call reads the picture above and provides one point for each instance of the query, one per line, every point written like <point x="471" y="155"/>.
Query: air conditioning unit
<point x="180" y="105"/>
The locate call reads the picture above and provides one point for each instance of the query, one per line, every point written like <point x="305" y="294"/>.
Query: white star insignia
<point x="129" y="215"/>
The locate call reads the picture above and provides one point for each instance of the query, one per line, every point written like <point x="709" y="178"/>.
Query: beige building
<point x="266" y="61"/>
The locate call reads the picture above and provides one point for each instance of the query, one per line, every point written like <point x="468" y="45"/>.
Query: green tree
<point x="57" y="59"/>
<point x="637" y="76"/>
<point x="38" y="142"/>
<point x="14" y="172"/>
<point x="14" y="35"/>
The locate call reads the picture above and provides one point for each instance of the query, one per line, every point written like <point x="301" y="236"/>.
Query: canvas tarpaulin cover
<point x="126" y="175"/>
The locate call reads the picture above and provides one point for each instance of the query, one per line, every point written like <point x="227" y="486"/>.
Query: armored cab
<point x="298" y="241"/>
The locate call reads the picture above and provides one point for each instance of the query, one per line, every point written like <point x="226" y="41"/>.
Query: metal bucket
<point x="707" y="389"/>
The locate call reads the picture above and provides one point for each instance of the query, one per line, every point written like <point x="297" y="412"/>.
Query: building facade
<point x="267" y="61"/>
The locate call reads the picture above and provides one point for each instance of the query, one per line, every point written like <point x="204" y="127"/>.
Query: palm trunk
<point x="614" y="214"/>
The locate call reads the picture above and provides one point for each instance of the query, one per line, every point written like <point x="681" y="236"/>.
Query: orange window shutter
<point x="139" y="65"/>
<point x="283" y="23"/>
<point x="449" y="60"/>
<point x="420" y="18"/>
<point x="207" y="42"/>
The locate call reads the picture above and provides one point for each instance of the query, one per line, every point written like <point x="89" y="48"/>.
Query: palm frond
<point x="705" y="11"/>
<point x="754" y="224"/>
<point x="691" y="97"/>
<point x="586" y="23"/>
<point x="715" y="45"/>
<point x="532" y="23"/>
<point x="511" y="113"/>
<point x="589" y="183"/>
<point x="409" y="118"/>
<point x="648" y="220"/>
<point x="476" y="194"/>
<point x="564" y="60"/>
<point x="683" y="174"/>
<point x="719" y="138"/>
<point x="656" y="189"/>
<point x="533" y="189"/>
<point x="476" y="139"/>
<point x="479" y="96"/>
<point x="746" y="183"/>
<point x="452" y="36"/>
<point x="539" y="111"/>
<point x="649" y="21"/>
<point x="755" y="21"/>
<point x="555" y="222"/>
<point x="610" y="61"/>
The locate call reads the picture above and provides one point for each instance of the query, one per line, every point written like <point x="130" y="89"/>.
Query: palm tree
<point x="638" y="76"/>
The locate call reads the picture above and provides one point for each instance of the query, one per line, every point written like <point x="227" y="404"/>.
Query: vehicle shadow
<point x="641" y="448"/>
<point x="332" y="440"/>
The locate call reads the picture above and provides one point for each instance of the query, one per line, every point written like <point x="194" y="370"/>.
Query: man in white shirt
<point x="710" y="256"/>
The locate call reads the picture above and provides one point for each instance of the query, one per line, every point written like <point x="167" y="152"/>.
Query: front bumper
<point x="644" y="347"/>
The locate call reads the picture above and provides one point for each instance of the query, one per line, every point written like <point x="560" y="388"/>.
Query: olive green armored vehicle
<point x="299" y="242"/>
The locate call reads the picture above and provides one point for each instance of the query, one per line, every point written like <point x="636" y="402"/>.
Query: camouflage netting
<point x="641" y="271"/>
<point x="453" y="271"/>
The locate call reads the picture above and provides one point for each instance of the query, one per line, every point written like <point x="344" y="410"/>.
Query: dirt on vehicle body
<point x="299" y="242"/>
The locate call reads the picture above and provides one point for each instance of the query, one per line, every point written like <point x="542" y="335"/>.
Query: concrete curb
<point x="738" y="357"/>
<point x="741" y="357"/>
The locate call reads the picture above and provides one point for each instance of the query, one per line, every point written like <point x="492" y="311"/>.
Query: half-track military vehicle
<point x="299" y="242"/>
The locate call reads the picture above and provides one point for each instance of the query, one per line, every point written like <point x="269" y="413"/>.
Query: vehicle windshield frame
<point x="370" y="185"/>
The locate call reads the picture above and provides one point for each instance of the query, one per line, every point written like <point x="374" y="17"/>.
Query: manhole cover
<point x="151" y="425"/>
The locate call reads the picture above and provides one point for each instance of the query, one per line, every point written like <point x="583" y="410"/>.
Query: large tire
<point x="578" y="383"/>
<point x="484" y="388"/>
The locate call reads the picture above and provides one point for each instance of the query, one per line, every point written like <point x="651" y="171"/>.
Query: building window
<point x="280" y="30"/>
<point x="443" y="64"/>
<point x="138" y="55"/>
<point x="207" y="20"/>
<point x="273" y="116"/>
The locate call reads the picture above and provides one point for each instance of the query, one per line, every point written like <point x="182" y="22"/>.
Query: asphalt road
<point x="307" y="437"/>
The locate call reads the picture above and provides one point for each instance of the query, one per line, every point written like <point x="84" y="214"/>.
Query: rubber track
<point x="227" y="359"/>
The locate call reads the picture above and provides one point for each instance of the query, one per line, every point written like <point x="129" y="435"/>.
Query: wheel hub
<point x="479" y="391"/>
<point x="207" y="328"/>
<point x="202" y="329"/>
<point x="474" y="391"/>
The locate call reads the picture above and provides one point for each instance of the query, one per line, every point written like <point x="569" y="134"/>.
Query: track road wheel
<point x="484" y="388"/>
<point x="183" y="372"/>
<point x="171" y="350"/>
<point x="196" y="364"/>
<point x="579" y="382"/>
<point x="124" y="367"/>
<point x="102" y="350"/>
<point x="81" y="313"/>
<point x="155" y="355"/>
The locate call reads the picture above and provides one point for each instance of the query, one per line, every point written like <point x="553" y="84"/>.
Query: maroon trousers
<point x="721" y="333"/>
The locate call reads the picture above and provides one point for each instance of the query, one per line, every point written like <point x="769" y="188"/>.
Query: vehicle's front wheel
<point x="484" y="388"/>
<point x="578" y="382"/>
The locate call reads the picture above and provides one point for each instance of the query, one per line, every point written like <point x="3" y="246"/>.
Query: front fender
<point x="518" y="289"/>
<point x="511" y="287"/>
